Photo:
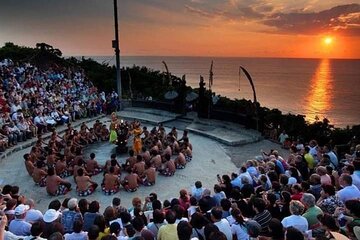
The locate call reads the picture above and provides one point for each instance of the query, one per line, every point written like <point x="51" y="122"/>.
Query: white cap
<point x="51" y="215"/>
<point x="21" y="209"/>
<point x="33" y="215"/>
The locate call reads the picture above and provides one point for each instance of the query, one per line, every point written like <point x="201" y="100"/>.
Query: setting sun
<point x="328" y="40"/>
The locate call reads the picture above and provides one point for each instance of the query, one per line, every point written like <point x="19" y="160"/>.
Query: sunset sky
<point x="252" y="28"/>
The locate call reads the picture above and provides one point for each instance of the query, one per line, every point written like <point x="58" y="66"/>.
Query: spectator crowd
<point x="34" y="100"/>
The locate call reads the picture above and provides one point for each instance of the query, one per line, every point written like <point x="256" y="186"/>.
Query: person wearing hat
<point x="52" y="223"/>
<point x="19" y="226"/>
<point x="33" y="215"/>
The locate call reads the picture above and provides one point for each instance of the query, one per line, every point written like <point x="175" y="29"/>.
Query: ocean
<point x="313" y="87"/>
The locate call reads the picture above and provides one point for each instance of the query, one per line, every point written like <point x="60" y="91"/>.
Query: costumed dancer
<point x="137" y="146"/>
<point x="113" y="126"/>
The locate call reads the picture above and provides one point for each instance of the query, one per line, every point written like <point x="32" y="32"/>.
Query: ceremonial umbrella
<point x="170" y="95"/>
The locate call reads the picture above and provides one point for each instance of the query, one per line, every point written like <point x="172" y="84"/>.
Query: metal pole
<point x="117" y="51"/>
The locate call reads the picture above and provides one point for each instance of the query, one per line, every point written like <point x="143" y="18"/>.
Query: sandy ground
<point x="209" y="159"/>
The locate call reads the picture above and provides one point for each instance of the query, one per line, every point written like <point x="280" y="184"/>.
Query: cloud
<point x="343" y="18"/>
<point x="199" y="12"/>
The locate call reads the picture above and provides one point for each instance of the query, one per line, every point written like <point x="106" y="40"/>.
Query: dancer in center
<point x="137" y="131"/>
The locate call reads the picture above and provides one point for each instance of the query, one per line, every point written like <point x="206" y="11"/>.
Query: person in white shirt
<point x="333" y="158"/>
<point x="349" y="190"/>
<point x="282" y="137"/>
<point x="221" y="223"/>
<point x="296" y="220"/>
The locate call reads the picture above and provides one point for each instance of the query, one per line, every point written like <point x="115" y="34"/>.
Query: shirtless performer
<point x="145" y="154"/>
<point x="51" y="158"/>
<point x="111" y="182"/>
<point x="56" y="186"/>
<point x="29" y="164"/>
<point x="130" y="161"/>
<point x="139" y="166"/>
<point x="97" y="128"/>
<point x="131" y="182"/>
<point x="155" y="160"/>
<point x="169" y="167"/>
<point x="187" y="153"/>
<point x="167" y="150"/>
<point x="149" y="175"/>
<point x="113" y="163"/>
<point x="85" y="186"/>
<point x="39" y="174"/>
<point x="79" y="156"/>
<point x="180" y="161"/>
<point x="61" y="168"/>
<point x="92" y="166"/>
<point x="105" y="133"/>
<point x="81" y="164"/>
<point x="174" y="144"/>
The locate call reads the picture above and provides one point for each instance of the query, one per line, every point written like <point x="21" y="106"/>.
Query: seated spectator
<point x="78" y="233"/>
<point x="89" y="217"/>
<point x="312" y="211"/>
<point x="296" y="220"/>
<point x="19" y="226"/>
<point x="36" y="231"/>
<point x="221" y="223"/>
<point x="168" y="231"/>
<point x="328" y="201"/>
<point x="71" y="215"/>
<point x="52" y="223"/>
<point x="262" y="215"/>
<point x="349" y="190"/>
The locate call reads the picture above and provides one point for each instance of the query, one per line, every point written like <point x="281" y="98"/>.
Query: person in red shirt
<point x="297" y="192"/>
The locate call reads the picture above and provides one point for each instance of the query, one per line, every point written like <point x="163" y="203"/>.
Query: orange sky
<point x="254" y="28"/>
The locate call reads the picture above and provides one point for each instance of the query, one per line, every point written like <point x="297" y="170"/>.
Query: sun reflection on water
<point x="320" y="92"/>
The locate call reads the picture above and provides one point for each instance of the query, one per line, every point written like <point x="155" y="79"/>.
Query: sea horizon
<point x="190" y="56"/>
<point x="314" y="87"/>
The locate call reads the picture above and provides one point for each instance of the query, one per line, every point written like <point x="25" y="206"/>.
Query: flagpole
<point x="117" y="51"/>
